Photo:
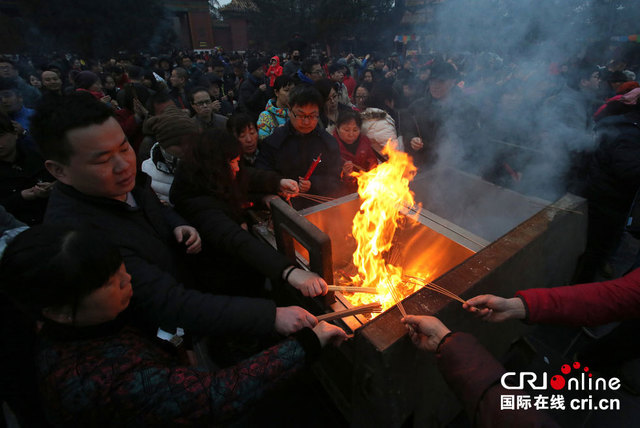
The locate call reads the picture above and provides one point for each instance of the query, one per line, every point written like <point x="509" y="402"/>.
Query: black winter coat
<point x="290" y="154"/>
<point x="151" y="255"/>
<point x="614" y="173"/>
<point x="232" y="247"/>
<point x="24" y="173"/>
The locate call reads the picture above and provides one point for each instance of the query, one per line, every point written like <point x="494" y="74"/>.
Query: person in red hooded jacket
<point x="275" y="70"/>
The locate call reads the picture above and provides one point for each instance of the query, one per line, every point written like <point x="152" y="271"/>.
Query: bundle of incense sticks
<point x="358" y="310"/>
<point x="315" y="198"/>
<point x="353" y="289"/>
<point x="435" y="287"/>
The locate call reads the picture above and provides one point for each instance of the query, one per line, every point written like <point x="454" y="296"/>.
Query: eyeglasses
<point x="203" y="103"/>
<point x="305" y="117"/>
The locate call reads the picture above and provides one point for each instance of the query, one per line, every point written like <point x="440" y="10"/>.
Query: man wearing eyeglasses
<point x="292" y="148"/>
<point x="205" y="109"/>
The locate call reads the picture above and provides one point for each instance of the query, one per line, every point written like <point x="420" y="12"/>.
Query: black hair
<point x="54" y="266"/>
<point x="324" y="86"/>
<point x="206" y="163"/>
<point x="238" y="122"/>
<point x="53" y="119"/>
<point x="303" y="95"/>
<point x="282" y="82"/>
<point x="195" y="90"/>
<point x="335" y="67"/>
<point x="159" y="97"/>
<point x="6" y="126"/>
<point x="348" y="115"/>
<point x="8" y="84"/>
<point x="380" y="94"/>
<point x="307" y="64"/>
<point x="132" y="91"/>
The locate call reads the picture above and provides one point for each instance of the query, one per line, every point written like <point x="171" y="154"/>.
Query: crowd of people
<point x="127" y="186"/>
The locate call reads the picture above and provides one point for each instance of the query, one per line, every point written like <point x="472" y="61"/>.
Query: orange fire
<point x="384" y="192"/>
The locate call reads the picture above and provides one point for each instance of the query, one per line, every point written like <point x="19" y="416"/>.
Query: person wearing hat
<point x="254" y="91"/>
<point x="422" y="126"/>
<point x="169" y="129"/>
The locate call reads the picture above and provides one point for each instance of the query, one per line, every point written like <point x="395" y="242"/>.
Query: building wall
<point x="194" y="22"/>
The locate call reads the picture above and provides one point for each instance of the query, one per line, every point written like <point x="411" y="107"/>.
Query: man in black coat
<point x="88" y="153"/>
<point x="614" y="179"/>
<point x="295" y="146"/>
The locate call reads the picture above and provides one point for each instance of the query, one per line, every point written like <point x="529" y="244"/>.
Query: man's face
<point x="176" y="80"/>
<point x="187" y="63"/>
<point x="102" y="162"/>
<point x="304" y="118"/>
<point x="202" y="104"/>
<point x="439" y="88"/>
<point x="258" y="72"/>
<point x="218" y="72"/>
<point x="11" y="101"/>
<point x="379" y="64"/>
<point x="594" y="81"/>
<point x="6" y="70"/>
<point x="316" y="72"/>
<point x="295" y="55"/>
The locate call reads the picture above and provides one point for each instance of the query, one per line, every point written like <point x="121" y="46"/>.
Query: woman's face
<point x="360" y="98"/>
<point x="234" y="166"/>
<point x="96" y="87"/>
<point x="248" y="140"/>
<point x="106" y="302"/>
<point x="349" y="132"/>
<point x="109" y="83"/>
<point x="34" y="81"/>
<point x="368" y="77"/>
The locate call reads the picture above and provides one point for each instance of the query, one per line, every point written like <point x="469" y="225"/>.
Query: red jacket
<point x="274" y="71"/>
<point x="585" y="304"/>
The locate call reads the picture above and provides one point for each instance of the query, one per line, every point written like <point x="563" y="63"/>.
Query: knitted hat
<point x="169" y="127"/>
<point x="85" y="79"/>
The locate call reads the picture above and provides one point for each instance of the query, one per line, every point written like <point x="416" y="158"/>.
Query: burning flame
<point x="384" y="192"/>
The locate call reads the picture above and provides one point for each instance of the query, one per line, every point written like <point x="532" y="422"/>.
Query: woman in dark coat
<point x="211" y="190"/>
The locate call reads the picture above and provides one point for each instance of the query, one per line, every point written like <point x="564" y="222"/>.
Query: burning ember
<point x="384" y="192"/>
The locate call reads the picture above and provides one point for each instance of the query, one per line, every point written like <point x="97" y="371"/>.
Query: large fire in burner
<point x="385" y="194"/>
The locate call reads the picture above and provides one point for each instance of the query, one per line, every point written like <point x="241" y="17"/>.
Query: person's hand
<point x="329" y="333"/>
<point x="263" y="87"/>
<point x="310" y="284"/>
<point x="495" y="309"/>
<point x="189" y="236"/>
<point x="416" y="143"/>
<point x="390" y="74"/>
<point x="19" y="129"/>
<point x="304" y="185"/>
<point x="106" y="99"/>
<point x="290" y="319"/>
<point x="288" y="188"/>
<point x="426" y="332"/>
<point x="347" y="168"/>
<point x="216" y="106"/>
<point x="139" y="110"/>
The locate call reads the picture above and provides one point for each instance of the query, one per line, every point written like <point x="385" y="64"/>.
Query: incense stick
<point x="353" y="289"/>
<point x="435" y="287"/>
<point x="358" y="310"/>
